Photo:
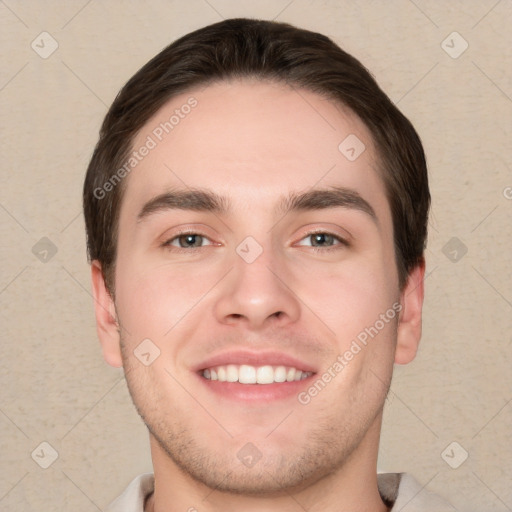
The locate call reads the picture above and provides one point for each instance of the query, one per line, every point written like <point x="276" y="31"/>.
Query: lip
<point x="254" y="358"/>
<point x="256" y="393"/>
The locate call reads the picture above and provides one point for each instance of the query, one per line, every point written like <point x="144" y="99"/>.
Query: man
<point x="256" y="212"/>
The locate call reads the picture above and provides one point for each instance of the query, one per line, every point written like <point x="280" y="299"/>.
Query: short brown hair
<point x="239" y="48"/>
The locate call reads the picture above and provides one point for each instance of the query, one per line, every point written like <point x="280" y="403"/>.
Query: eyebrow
<point x="203" y="200"/>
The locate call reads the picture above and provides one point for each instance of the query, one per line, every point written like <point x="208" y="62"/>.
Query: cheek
<point x="349" y="297"/>
<point x="152" y="298"/>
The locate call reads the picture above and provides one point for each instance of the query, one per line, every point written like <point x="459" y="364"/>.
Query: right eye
<point x="186" y="240"/>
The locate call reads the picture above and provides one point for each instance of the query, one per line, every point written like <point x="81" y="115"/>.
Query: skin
<point x="254" y="142"/>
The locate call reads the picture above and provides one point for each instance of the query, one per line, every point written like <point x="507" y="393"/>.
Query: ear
<point x="106" y="321"/>
<point x="409" y="323"/>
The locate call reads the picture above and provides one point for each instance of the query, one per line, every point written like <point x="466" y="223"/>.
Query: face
<point x="256" y="261"/>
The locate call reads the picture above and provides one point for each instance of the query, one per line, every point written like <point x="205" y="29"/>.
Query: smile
<point x="247" y="374"/>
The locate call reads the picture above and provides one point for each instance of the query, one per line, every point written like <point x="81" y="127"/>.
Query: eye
<point x="187" y="241"/>
<point x="322" y="240"/>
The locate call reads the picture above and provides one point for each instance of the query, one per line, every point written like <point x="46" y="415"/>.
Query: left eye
<point x="321" y="240"/>
<point x="187" y="240"/>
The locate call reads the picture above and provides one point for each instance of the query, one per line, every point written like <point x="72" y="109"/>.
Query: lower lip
<point x="256" y="392"/>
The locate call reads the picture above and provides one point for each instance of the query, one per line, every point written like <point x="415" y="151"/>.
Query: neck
<point x="353" y="486"/>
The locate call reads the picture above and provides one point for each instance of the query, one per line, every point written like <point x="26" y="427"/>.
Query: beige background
<point x="54" y="385"/>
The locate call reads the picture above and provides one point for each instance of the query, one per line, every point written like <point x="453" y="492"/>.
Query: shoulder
<point x="133" y="497"/>
<point x="417" y="498"/>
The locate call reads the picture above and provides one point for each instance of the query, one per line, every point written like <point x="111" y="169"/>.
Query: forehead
<point x="253" y="141"/>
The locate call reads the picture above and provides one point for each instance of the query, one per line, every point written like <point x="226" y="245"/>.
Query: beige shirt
<point x="399" y="489"/>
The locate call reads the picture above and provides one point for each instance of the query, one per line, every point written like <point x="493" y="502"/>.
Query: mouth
<point x="255" y="377"/>
<point x="247" y="374"/>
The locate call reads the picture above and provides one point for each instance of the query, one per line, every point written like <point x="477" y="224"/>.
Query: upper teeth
<point x="246" y="374"/>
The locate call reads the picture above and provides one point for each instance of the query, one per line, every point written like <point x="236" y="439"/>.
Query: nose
<point x="258" y="294"/>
